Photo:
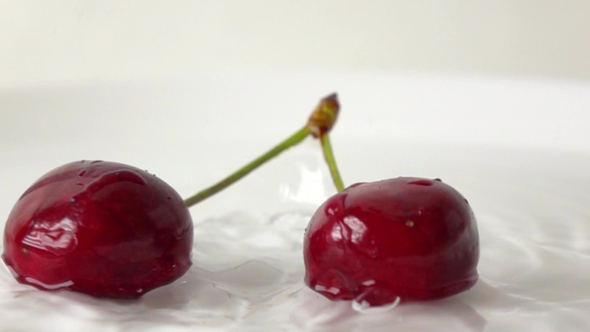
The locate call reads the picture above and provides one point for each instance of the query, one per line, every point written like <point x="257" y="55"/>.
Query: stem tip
<point x="324" y="116"/>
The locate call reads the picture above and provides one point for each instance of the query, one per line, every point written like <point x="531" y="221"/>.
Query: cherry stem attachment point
<point x="321" y="122"/>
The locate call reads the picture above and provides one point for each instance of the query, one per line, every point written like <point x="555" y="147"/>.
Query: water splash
<point x="248" y="270"/>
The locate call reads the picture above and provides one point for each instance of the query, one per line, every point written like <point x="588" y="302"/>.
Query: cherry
<point x="100" y="228"/>
<point x="411" y="238"/>
<point x="111" y="230"/>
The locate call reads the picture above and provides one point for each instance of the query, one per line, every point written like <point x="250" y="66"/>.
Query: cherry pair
<point x="112" y="230"/>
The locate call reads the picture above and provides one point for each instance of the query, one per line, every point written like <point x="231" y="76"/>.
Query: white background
<point x="490" y="96"/>
<point x="88" y="40"/>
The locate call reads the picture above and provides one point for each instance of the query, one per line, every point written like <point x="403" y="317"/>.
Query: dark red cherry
<point x="99" y="228"/>
<point x="411" y="238"/>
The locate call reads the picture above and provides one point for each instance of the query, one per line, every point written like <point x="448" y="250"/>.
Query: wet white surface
<point x="531" y="203"/>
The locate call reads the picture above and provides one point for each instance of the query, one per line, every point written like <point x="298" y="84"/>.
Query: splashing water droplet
<point x="364" y="307"/>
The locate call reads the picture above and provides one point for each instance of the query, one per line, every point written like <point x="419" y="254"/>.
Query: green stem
<point x="240" y="173"/>
<point x="329" y="156"/>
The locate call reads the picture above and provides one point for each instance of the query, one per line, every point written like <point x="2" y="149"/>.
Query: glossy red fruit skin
<point x="409" y="237"/>
<point x="100" y="228"/>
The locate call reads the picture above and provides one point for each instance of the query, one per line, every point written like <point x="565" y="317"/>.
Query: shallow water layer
<point x="534" y="224"/>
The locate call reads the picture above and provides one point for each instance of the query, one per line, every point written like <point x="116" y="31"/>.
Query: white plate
<point x="518" y="150"/>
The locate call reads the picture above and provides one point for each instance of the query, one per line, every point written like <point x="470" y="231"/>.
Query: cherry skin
<point x="100" y="228"/>
<point x="411" y="238"/>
